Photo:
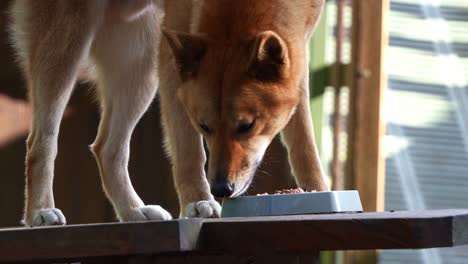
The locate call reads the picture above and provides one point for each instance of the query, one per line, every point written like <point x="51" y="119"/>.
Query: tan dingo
<point x="234" y="72"/>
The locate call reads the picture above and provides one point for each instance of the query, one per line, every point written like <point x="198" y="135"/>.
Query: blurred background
<point x="423" y="111"/>
<point x="389" y="93"/>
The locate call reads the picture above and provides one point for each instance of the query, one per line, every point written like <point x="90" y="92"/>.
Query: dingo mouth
<point x="244" y="188"/>
<point x="249" y="181"/>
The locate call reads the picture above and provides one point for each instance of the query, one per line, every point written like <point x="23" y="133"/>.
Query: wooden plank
<point x="114" y="239"/>
<point x="305" y="233"/>
<point x="235" y="238"/>
<point x="366" y="128"/>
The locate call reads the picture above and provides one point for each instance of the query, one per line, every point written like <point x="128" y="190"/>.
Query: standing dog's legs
<point x="185" y="146"/>
<point x="51" y="63"/>
<point x="298" y="136"/>
<point x="126" y="57"/>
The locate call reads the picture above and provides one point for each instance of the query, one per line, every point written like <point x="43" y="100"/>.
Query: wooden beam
<point x="366" y="128"/>
<point x="84" y="241"/>
<point x="305" y="233"/>
<point x="286" y="238"/>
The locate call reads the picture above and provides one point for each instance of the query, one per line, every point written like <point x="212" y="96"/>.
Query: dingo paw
<point x="204" y="209"/>
<point x="146" y="213"/>
<point x="47" y="217"/>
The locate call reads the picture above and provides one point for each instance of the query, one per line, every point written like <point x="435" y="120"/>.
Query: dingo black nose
<point x="222" y="188"/>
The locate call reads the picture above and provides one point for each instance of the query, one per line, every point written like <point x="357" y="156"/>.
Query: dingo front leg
<point x="298" y="136"/>
<point x="185" y="147"/>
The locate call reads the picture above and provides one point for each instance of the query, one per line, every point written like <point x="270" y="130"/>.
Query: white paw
<point x="146" y="213"/>
<point x="204" y="209"/>
<point x="47" y="217"/>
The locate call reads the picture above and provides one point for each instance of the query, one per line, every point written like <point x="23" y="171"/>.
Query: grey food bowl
<point x="292" y="204"/>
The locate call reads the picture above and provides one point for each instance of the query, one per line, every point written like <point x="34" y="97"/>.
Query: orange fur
<point x="237" y="67"/>
<point x="224" y="86"/>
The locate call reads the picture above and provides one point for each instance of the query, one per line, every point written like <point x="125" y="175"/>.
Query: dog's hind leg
<point x="126" y="58"/>
<point x="56" y="39"/>
<point x="298" y="136"/>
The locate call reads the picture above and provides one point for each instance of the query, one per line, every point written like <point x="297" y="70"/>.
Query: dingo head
<point x="238" y="95"/>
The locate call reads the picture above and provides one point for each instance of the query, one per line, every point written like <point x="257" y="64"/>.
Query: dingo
<point x="234" y="72"/>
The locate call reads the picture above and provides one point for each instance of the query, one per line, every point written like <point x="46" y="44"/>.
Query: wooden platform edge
<point x="460" y="230"/>
<point x="354" y="231"/>
<point x="98" y="240"/>
<point x="296" y="234"/>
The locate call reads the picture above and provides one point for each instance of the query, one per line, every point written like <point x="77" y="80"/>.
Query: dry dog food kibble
<point x="286" y="191"/>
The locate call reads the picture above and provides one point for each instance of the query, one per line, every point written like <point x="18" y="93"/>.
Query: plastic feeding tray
<point x="292" y="204"/>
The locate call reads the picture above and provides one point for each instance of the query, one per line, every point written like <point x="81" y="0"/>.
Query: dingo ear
<point x="188" y="51"/>
<point x="269" y="60"/>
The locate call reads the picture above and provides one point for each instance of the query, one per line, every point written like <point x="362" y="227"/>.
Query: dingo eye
<point x="205" y="128"/>
<point x="245" y="127"/>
